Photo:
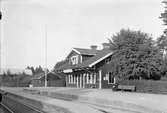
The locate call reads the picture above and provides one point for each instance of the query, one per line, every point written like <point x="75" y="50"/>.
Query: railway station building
<point x="88" y="68"/>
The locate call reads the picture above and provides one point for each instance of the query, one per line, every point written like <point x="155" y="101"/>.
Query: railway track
<point x="16" y="106"/>
<point x="5" y="109"/>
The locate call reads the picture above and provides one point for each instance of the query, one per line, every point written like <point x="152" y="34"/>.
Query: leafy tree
<point x="36" y="70"/>
<point x="162" y="41"/>
<point x="31" y="68"/>
<point x="39" y="69"/>
<point x="135" y="56"/>
<point x="58" y="64"/>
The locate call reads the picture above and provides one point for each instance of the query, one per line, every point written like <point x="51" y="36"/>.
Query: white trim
<point x="87" y="78"/>
<point x="74" y="59"/>
<point x="84" y="80"/>
<point x="76" y="50"/>
<point x="94" y="78"/>
<point x="80" y="80"/>
<point x="100" y="79"/>
<point x="77" y="81"/>
<point x="97" y="61"/>
<point x="72" y="81"/>
<point x="67" y="70"/>
<point x="80" y="58"/>
<point x="91" y="78"/>
<point x="80" y="53"/>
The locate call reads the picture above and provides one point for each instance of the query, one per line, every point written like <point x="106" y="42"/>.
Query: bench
<point x="126" y="88"/>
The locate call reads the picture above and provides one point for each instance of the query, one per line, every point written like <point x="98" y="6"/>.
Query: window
<point x="107" y="61"/>
<point x="88" y="78"/>
<point x="74" y="60"/>
<point x="111" y="78"/>
<point x="71" y="79"/>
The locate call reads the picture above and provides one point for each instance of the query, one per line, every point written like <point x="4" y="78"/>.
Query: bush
<point x="147" y="86"/>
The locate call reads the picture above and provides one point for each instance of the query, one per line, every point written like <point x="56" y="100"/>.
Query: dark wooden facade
<point x="90" y="71"/>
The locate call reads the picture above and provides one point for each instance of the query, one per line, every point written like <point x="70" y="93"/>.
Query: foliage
<point x="162" y="40"/>
<point x="135" y="56"/>
<point x="36" y="70"/>
<point x="147" y="86"/>
<point x="60" y="63"/>
<point x="31" y="68"/>
<point x="14" y="80"/>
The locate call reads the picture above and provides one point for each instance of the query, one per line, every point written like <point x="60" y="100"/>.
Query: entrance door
<point x="100" y="79"/>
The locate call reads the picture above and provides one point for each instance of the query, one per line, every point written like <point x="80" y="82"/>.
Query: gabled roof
<point x="51" y="75"/>
<point x="100" y="55"/>
<point x="85" y="51"/>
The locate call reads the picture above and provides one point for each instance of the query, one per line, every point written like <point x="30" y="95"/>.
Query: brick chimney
<point x="93" y="47"/>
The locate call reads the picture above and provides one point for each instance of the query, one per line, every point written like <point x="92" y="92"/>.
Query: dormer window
<point x="74" y="60"/>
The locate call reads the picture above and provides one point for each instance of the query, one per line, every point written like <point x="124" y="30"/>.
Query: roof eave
<point x="99" y="60"/>
<point x="76" y="51"/>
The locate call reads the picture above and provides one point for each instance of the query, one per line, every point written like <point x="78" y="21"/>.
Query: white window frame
<point x="74" y="60"/>
<point x="108" y="74"/>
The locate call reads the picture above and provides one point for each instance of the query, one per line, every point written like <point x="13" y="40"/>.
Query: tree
<point x="162" y="40"/>
<point x="135" y="56"/>
<point x="39" y="69"/>
<point x="59" y="64"/>
<point x="36" y="70"/>
<point x="31" y="68"/>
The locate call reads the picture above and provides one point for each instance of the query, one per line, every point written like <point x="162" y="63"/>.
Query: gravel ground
<point x="105" y="99"/>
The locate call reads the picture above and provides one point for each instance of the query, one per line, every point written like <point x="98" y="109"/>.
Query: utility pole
<point x="0" y="10"/>
<point x="0" y="37"/>
<point x="45" y="56"/>
<point x="0" y="15"/>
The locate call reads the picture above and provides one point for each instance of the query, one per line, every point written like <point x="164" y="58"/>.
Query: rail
<point x="7" y="108"/>
<point x="15" y="106"/>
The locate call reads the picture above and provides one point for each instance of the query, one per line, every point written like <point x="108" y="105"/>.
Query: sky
<point x="26" y="24"/>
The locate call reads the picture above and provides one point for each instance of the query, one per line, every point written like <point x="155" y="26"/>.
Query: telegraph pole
<point x="0" y="37"/>
<point x="45" y="56"/>
<point x="0" y="14"/>
<point x="0" y="10"/>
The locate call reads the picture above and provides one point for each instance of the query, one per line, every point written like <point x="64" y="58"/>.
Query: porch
<point x="84" y="79"/>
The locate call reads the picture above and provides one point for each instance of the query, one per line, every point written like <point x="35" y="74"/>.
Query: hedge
<point x="147" y="86"/>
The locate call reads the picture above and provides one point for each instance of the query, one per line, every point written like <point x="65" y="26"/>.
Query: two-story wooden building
<point x="88" y="68"/>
